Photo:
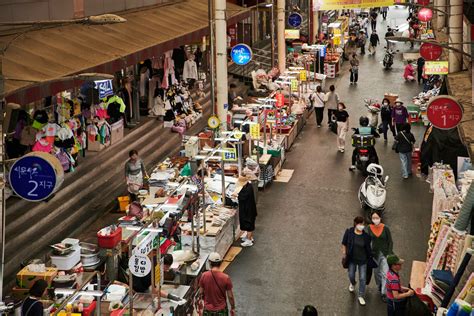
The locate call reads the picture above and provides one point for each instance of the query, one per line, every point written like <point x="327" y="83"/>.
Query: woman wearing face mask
<point x="356" y="252"/>
<point x="342" y="118"/>
<point x="386" y="115"/>
<point x="382" y="246"/>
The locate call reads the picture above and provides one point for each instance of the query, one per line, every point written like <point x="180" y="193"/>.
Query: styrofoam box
<point x="68" y="262"/>
<point x="72" y="241"/>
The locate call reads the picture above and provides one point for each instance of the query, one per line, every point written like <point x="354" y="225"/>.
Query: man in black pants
<point x="373" y="20"/>
<point x="420" y="63"/>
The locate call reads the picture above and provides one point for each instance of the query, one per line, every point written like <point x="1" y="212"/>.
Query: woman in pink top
<point x="409" y="73"/>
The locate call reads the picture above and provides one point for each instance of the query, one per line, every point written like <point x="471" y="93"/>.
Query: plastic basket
<point x="124" y="201"/>
<point x="111" y="241"/>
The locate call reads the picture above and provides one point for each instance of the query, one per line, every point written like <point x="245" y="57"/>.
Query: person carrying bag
<point x="405" y="141"/>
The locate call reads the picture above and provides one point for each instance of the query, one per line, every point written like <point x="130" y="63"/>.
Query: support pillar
<point x="455" y="35"/>
<point x="281" y="36"/>
<point x="221" y="61"/>
<point x="440" y="16"/>
<point x="315" y="24"/>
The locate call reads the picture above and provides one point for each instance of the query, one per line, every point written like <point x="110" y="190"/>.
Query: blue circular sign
<point x="33" y="178"/>
<point x="241" y="54"/>
<point x="295" y="19"/>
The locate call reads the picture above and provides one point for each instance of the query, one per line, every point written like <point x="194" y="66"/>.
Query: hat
<point x="393" y="259"/>
<point x="398" y="101"/>
<point x="215" y="257"/>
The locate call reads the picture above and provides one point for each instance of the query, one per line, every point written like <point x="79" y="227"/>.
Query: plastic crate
<point x="111" y="241"/>
<point x="89" y="310"/>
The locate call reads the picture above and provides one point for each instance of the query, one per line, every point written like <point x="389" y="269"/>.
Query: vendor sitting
<point x="169" y="274"/>
<point x="32" y="305"/>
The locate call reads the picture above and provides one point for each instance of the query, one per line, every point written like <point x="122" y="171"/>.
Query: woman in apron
<point x="134" y="174"/>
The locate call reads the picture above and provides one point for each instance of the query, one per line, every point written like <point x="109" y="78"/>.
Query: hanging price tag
<point x="255" y="131"/>
<point x="294" y="85"/>
<point x="230" y="154"/>
<point x="303" y="75"/>
<point x="139" y="265"/>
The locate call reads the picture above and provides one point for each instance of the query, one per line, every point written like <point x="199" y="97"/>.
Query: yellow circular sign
<point x="213" y="122"/>
<point x="238" y="134"/>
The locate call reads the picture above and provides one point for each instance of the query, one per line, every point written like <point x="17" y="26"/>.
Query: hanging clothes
<point x="169" y="76"/>
<point x="247" y="208"/>
<point x="190" y="70"/>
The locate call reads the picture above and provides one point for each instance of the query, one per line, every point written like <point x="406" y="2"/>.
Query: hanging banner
<point x="444" y="112"/>
<point x="303" y="75"/>
<point x="280" y="100"/>
<point x="436" y="67"/>
<point x="349" y="4"/>
<point x="241" y="54"/>
<point x="294" y="85"/>
<point x="295" y="19"/>
<point x="255" y="131"/>
<point x="105" y="88"/>
<point x="230" y="154"/>
<point x="139" y="265"/>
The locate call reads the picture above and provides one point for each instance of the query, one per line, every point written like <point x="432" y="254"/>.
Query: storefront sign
<point x="349" y="4"/>
<point x="213" y="122"/>
<point x="146" y="245"/>
<point x="33" y="178"/>
<point x="436" y="67"/>
<point x="292" y="34"/>
<point x="105" y="88"/>
<point x="425" y="14"/>
<point x="230" y="154"/>
<point x="444" y="112"/>
<point x="431" y="51"/>
<point x="139" y="265"/>
<point x="295" y="19"/>
<point x="255" y="131"/>
<point x="280" y="100"/>
<point x="294" y="85"/>
<point x="303" y="75"/>
<point x="241" y="54"/>
<point x="238" y="134"/>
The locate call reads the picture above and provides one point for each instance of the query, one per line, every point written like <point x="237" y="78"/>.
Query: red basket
<point x="89" y="310"/>
<point x="110" y="241"/>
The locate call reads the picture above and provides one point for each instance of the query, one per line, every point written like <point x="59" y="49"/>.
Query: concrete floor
<point x="296" y="258"/>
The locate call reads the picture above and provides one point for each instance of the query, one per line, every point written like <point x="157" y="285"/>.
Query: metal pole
<point x="223" y="180"/>
<point x="281" y="36"/>
<point x="99" y="288"/>
<point x="3" y="170"/>
<point x="203" y="192"/>
<point x="221" y="61"/>
<point x="211" y="57"/>
<point x="239" y="157"/>
<point x="309" y="13"/>
<point x="272" y="33"/>
<point x="130" y="277"/>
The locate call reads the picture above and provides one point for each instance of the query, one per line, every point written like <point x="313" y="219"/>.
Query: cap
<point x="398" y="101"/>
<point x="215" y="257"/>
<point x="394" y="259"/>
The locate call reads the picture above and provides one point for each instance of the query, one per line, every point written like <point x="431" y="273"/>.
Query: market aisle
<point x="296" y="257"/>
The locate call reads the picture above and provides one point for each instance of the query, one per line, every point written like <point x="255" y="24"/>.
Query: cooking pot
<point x="89" y="254"/>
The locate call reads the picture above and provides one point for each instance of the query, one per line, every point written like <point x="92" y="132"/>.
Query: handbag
<point x="395" y="146"/>
<point x="371" y="263"/>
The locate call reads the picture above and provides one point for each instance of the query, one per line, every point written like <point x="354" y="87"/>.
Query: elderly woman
<point x="134" y="173"/>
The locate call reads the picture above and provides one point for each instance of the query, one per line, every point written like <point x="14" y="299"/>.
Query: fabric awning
<point x="35" y="59"/>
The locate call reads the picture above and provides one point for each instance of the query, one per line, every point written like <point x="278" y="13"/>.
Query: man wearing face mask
<point x="357" y="252"/>
<point x="382" y="246"/>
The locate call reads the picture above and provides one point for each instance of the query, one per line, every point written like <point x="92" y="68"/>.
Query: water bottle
<point x="453" y="310"/>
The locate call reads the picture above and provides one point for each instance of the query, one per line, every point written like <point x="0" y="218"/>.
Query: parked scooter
<point x="372" y="192"/>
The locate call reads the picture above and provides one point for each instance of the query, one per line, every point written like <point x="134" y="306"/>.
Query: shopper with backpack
<point x="405" y="141"/>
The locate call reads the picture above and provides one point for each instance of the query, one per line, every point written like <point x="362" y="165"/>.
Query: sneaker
<point x="405" y="177"/>
<point x="244" y="236"/>
<point x="351" y="82"/>
<point x="351" y="288"/>
<point x="361" y="301"/>
<point x="342" y="150"/>
<point x="352" y="168"/>
<point x="319" y="126"/>
<point x="247" y="243"/>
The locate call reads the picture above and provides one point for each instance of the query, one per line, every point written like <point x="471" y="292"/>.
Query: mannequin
<point x="190" y="73"/>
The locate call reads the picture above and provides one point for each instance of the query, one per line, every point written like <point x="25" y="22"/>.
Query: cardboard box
<point x="25" y="278"/>
<point x="19" y="293"/>
<point x="96" y="146"/>
<point x="117" y="132"/>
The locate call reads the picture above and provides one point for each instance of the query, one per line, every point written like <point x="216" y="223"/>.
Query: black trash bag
<point x="416" y="307"/>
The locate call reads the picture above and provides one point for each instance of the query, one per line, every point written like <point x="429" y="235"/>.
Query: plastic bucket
<point x="124" y="201"/>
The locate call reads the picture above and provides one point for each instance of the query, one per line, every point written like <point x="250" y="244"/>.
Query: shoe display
<point x="361" y="301"/>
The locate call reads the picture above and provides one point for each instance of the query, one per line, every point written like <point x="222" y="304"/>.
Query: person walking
<point x="342" y="119"/>
<point x="384" y="11"/>
<point x="396" y="293"/>
<point x="362" y="42"/>
<point x="386" y="116"/>
<point x="399" y="115"/>
<point x="318" y="99"/>
<point x="373" y="20"/>
<point x="332" y="100"/>
<point x="420" y="64"/>
<point x="374" y="41"/>
<point x="382" y="246"/>
<point x="215" y="288"/>
<point x="356" y="252"/>
<point x="405" y="143"/>
<point x="354" y="69"/>
<point x="134" y="174"/>
<point x="390" y="33"/>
